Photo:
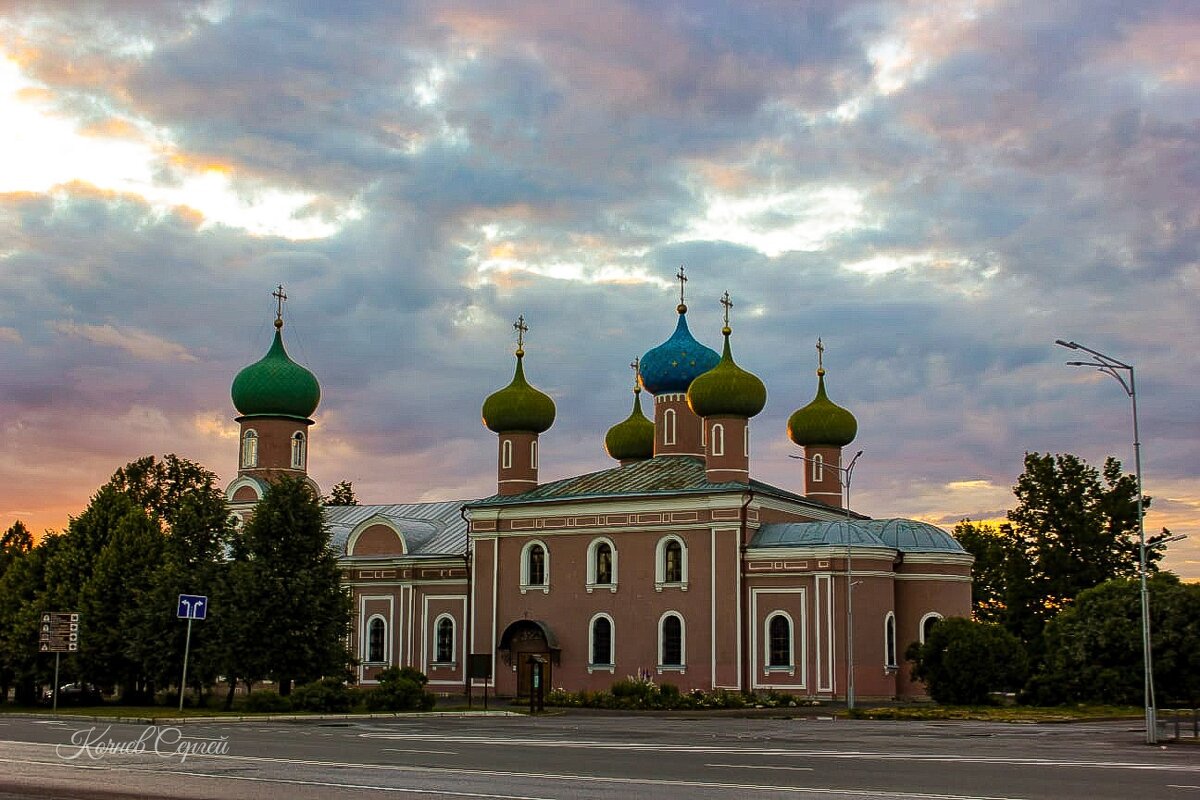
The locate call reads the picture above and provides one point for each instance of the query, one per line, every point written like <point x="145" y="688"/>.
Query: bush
<point x="962" y="662"/>
<point x="400" y="689"/>
<point x="266" y="701"/>
<point x="327" y="695"/>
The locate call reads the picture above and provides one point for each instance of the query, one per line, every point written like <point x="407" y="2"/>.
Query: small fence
<point x="1179" y="723"/>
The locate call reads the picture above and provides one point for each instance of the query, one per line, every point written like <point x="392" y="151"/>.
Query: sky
<point x="937" y="189"/>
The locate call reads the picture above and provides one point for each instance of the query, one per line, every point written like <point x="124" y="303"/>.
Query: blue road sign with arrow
<point x="192" y="606"/>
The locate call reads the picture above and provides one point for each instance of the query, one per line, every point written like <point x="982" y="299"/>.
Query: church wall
<point x="917" y="596"/>
<point x="874" y="599"/>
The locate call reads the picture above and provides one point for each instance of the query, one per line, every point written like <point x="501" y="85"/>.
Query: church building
<point x="675" y="563"/>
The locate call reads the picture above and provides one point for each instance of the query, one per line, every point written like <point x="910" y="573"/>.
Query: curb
<point x="253" y="717"/>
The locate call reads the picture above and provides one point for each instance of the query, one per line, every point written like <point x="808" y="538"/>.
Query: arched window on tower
<point x="533" y="454"/>
<point x="669" y="426"/>
<point x="249" y="449"/>
<point x="298" y="450"/>
<point x="818" y="468"/>
<point x="718" y="439"/>
<point x="506" y="454"/>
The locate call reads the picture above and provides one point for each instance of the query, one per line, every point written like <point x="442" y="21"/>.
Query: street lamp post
<point x="845" y="474"/>
<point x="1111" y="366"/>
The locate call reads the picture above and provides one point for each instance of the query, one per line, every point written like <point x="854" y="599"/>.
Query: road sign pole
<point x="186" y="648"/>
<point x="54" y="691"/>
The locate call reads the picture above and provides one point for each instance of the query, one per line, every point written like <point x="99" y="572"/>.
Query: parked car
<point x="76" y="694"/>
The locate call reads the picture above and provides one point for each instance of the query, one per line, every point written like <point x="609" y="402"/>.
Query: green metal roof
<point x="905" y="535"/>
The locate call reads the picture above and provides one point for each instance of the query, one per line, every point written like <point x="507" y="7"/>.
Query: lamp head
<point x="1068" y="345"/>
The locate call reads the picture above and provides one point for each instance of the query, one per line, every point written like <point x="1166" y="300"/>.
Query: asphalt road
<point x="585" y="756"/>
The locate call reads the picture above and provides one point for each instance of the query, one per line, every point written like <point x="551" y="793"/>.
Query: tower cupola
<point x="822" y="428"/>
<point x="632" y="439"/>
<point x="518" y="413"/>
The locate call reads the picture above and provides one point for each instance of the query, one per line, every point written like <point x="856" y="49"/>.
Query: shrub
<point x="266" y="701"/>
<point x="962" y="662"/>
<point x="400" y="690"/>
<point x="328" y="695"/>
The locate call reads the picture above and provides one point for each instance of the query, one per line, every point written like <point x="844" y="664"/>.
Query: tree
<point x="290" y="616"/>
<point x="20" y="586"/>
<point x="1094" y="647"/>
<point x="961" y="661"/>
<point x="14" y="543"/>
<point x="341" y="495"/>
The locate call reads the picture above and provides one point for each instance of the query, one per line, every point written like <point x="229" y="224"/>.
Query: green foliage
<point x="330" y="695"/>
<point x="962" y="662"/>
<point x="14" y="543"/>
<point x="266" y="701"/>
<point x="639" y="693"/>
<point x="1094" y="647"/>
<point x="400" y="689"/>
<point x="342" y="494"/>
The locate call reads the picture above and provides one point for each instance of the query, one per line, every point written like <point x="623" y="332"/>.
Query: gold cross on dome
<point x="636" y="366"/>
<point x="725" y="301"/>
<point x="820" y="354"/>
<point x="521" y="328"/>
<point x="279" y="296"/>
<point x="682" y="280"/>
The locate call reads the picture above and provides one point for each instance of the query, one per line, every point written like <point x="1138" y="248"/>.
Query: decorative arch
<point x="669" y="426"/>
<point x="927" y="622"/>
<point x="818" y="468"/>
<point x="376" y="536"/>
<point x="244" y="490"/>
<point x="718" y="439"/>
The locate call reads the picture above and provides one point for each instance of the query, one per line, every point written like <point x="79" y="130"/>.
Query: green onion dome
<point x="822" y="422"/>
<point x="727" y="389"/>
<point x="518" y="407"/>
<point x="276" y="386"/>
<point x="633" y="439"/>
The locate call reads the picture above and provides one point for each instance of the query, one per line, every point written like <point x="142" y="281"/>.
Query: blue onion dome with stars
<point x="633" y="438"/>
<point x="519" y="407"/>
<point x="673" y="365"/>
<point x="276" y="386"/>
<point x="727" y="389"/>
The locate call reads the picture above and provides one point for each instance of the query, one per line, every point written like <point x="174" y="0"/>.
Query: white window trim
<point x="746" y="440"/>
<point x="591" y="584"/>
<point x="669" y="426"/>
<point x="611" y="666"/>
<point x="299" y="454"/>
<point x="660" y="564"/>
<point x="249" y="459"/>
<point x="682" y="665"/>
<point x="718" y="439"/>
<point x="924" y="619"/>
<point x="533" y="454"/>
<point x="506" y="453"/>
<point x="437" y="623"/>
<point x="818" y="468"/>
<point x="366" y="651"/>
<point x="890" y="655"/>
<point x="526" y="586"/>
<point x="790" y="667"/>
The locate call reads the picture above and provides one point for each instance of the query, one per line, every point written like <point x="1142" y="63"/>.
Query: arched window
<point x="506" y="454"/>
<point x="535" y="566"/>
<point x="670" y="641"/>
<point x="601" y="641"/>
<point x="669" y="426"/>
<point x="818" y="468"/>
<point x="444" y="651"/>
<point x="670" y="567"/>
<point x="376" y="640"/>
<point x="604" y="557"/>
<point x="718" y="439"/>
<point x="889" y="640"/>
<point x="927" y="623"/>
<point x="746" y="441"/>
<point x="533" y="454"/>
<point x="601" y="565"/>
<point x="779" y="641"/>
<point x="249" y="449"/>
<point x="298" y="450"/>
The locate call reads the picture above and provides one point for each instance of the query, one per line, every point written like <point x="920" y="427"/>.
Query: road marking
<point x="432" y="752"/>
<point x="1181" y="786"/>
<point x="760" y="766"/>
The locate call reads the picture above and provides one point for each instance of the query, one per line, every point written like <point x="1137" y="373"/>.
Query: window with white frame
<point x="746" y="441"/>
<point x="600" y="651"/>
<point x="927" y="623"/>
<point x="671" y="648"/>
<point x="533" y="454"/>
<point x="506" y="454"/>
<point x="535" y="566"/>
<point x="443" y="652"/>
<point x="601" y="565"/>
<point x="249" y="449"/>
<point x="298" y="450"/>
<point x="669" y="426"/>
<point x="718" y="439"/>
<point x="376" y="640"/>
<point x="671" y="568"/>
<point x="889" y="640"/>
<point x="779" y="640"/>
<point x="818" y="468"/>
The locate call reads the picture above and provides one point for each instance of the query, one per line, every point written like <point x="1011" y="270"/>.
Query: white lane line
<point x="431" y="752"/>
<point x="503" y="741"/>
<point x="1181" y="786"/>
<point x="760" y="766"/>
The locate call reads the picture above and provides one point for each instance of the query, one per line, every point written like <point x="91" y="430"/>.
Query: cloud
<point x="139" y="344"/>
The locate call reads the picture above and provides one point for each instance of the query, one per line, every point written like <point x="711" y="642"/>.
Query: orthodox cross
<point x="521" y="328"/>
<point x="682" y="280"/>
<point x="636" y="366"/>
<point x="820" y="355"/>
<point x="280" y="296"/>
<point x="725" y="301"/>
